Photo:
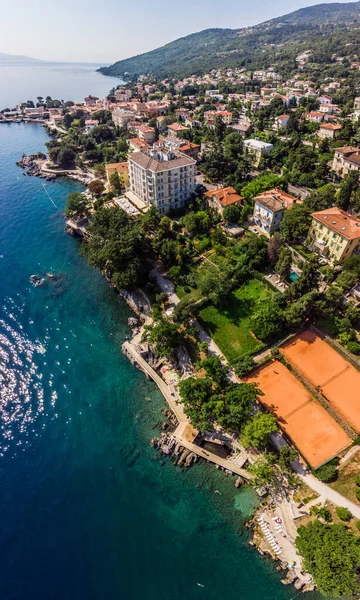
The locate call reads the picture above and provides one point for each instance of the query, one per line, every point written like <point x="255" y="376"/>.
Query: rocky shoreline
<point x="293" y="574"/>
<point x="168" y="445"/>
<point x="36" y="166"/>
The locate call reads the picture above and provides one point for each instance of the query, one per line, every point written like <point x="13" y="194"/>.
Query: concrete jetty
<point x="184" y="434"/>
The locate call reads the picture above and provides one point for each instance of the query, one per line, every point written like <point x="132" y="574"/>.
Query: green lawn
<point x="195" y="293"/>
<point x="230" y="326"/>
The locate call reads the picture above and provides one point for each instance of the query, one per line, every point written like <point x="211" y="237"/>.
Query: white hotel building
<point x="162" y="178"/>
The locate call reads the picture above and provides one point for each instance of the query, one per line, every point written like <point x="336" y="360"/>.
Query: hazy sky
<point x="106" y="31"/>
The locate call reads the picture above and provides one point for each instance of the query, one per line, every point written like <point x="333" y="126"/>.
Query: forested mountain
<point x="324" y="28"/>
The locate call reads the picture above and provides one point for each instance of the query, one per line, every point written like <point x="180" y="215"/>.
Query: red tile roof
<point x="226" y="196"/>
<point x="340" y="221"/>
<point x="276" y="199"/>
<point x="330" y="126"/>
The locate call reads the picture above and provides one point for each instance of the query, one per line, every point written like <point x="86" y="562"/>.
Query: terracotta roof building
<point x="223" y="197"/>
<point x="122" y="169"/>
<point x="176" y="128"/>
<point x="329" y="130"/>
<point x="334" y="233"/>
<point x="269" y="209"/>
<point x="190" y="149"/>
<point x="346" y="159"/>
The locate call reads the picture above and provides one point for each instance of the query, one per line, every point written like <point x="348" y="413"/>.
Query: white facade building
<point x="269" y="209"/>
<point x="162" y="178"/>
<point x="256" y="149"/>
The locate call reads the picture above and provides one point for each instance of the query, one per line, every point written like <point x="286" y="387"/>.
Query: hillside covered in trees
<point x="325" y="28"/>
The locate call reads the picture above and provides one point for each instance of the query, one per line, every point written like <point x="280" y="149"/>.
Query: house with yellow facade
<point x="334" y="233"/>
<point x="122" y="169"/>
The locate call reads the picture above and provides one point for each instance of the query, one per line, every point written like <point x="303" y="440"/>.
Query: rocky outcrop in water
<point x="31" y="163"/>
<point x="168" y="445"/>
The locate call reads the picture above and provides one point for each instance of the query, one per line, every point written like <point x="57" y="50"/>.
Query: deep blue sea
<point x="88" y="509"/>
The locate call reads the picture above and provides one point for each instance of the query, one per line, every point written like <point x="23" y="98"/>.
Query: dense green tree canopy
<point x="164" y="337"/>
<point x="118" y="247"/>
<point x="76" y="204"/>
<point x="295" y="224"/>
<point x="208" y="401"/>
<point x="257" y="431"/>
<point x="331" y="554"/>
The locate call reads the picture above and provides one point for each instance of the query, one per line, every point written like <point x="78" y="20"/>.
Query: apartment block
<point x="161" y="177"/>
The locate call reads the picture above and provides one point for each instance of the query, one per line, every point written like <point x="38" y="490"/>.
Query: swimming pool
<point x="294" y="276"/>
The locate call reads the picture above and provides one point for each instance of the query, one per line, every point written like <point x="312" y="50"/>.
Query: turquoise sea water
<point x="88" y="510"/>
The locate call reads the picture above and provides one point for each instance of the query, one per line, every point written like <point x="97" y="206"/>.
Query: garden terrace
<point x="230" y="326"/>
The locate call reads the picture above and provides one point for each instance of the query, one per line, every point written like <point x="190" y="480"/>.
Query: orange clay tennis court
<point x="322" y="366"/>
<point x="314" y="432"/>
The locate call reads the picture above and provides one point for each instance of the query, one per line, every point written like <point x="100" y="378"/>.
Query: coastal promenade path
<point x="175" y="407"/>
<point x="180" y="432"/>
<point x="226" y="464"/>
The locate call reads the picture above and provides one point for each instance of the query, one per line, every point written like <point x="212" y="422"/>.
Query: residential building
<point x="35" y="113"/>
<point x="269" y="209"/>
<point x="329" y="109"/>
<point x="256" y="149"/>
<point x="122" y="117"/>
<point x="214" y="94"/>
<point x="211" y="115"/>
<point x="161" y="123"/>
<point x="334" y="233"/>
<point x="181" y="145"/>
<point x="123" y="94"/>
<point x="346" y="159"/>
<point x="175" y="129"/>
<point x="357" y="107"/>
<point x="146" y="133"/>
<point x="190" y="149"/>
<point x="329" y="130"/>
<point x="90" y="100"/>
<point x="182" y="113"/>
<point x="192" y="123"/>
<point x="242" y="128"/>
<point x="55" y="116"/>
<point x="325" y="99"/>
<point x="315" y="116"/>
<point x="223" y="197"/>
<point x="281" y="122"/>
<point x="162" y="178"/>
<point x="122" y="169"/>
<point x="136" y="144"/>
<point x="90" y="124"/>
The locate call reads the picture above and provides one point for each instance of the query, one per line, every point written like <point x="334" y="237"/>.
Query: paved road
<point x="199" y="179"/>
<point x="327" y="492"/>
<point x="166" y="285"/>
